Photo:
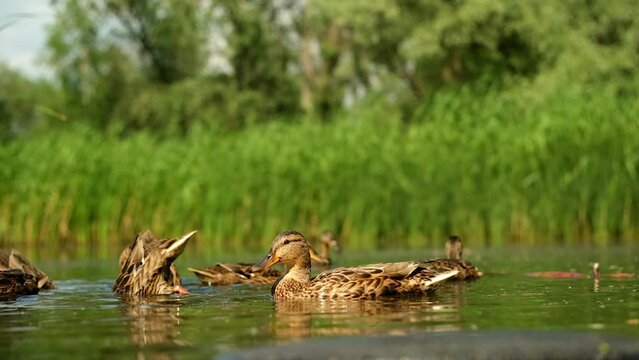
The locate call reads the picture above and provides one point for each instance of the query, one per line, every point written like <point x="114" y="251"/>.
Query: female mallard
<point x="146" y="266"/>
<point x="234" y="273"/>
<point x="454" y="250"/>
<point x="14" y="283"/>
<point x="367" y="281"/>
<point x="13" y="260"/>
<point x="238" y="273"/>
<point x="327" y="242"/>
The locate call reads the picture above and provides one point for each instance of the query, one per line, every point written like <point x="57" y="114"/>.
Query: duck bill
<point x="266" y="263"/>
<point x="179" y="289"/>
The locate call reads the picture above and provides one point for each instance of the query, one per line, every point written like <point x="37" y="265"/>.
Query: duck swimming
<point x="454" y="261"/>
<point x="327" y="242"/>
<point x="15" y="283"/>
<point x="234" y="273"/>
<point x="360" y="282"/>
<point x="18" y="277"/>
<point x="238" y="273"/>
<point x="13" y="260"/>
<point x="146" y="266"/>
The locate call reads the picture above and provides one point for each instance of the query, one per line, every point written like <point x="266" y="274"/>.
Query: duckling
<point x="13" y="260"/>
<point x="327" y="242"/>
<point x="361" y="282"/>
<point x="454" y="261"/>
<point x="146" y="266"/>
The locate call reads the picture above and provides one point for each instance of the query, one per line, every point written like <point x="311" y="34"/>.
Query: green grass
<point x="495" y="170"/>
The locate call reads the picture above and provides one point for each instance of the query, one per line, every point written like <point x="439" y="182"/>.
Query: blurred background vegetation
<point x="391" y="122"/>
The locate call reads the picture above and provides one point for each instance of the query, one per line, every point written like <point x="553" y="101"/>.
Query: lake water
<point x="83" y="319"/>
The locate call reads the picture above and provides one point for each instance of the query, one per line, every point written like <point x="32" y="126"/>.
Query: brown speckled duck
<point x="327" y="242"/>
<point x="361" y="282"/>
<point x="234" y="273"/>
<point x="146" y="266"/>
<point x="18" y="277"/>
<point x="15" y="283"/>
<point x="454" y="250"/>
<point x="238" y="273"/>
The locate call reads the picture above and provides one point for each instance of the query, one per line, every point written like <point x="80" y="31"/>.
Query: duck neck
<point x="324" y="253"/>
<point x="301" y="270"/>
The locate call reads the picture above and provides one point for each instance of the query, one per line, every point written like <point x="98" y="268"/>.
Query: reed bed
<point x="492" y="169"/>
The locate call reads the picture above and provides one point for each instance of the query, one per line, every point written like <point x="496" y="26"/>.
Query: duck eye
<point x="286" y="242"/>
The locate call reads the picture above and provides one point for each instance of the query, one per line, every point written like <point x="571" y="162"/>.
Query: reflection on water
<point x="154" y="323"/>
<point x="84" y="319"/>
<point x="297" y="319"/>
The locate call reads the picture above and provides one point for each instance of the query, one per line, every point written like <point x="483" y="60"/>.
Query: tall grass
<point x="489" y="168"/>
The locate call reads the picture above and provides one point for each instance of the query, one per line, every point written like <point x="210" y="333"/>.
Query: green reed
<point x="488" y="167"/>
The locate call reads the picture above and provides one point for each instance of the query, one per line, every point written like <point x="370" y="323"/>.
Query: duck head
<point x="328" y="239"/>
<point x="454" y="247"/>
<point x="289" y="248"/>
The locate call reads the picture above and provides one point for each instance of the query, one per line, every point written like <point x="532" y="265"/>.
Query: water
<point x="83" y="319"/>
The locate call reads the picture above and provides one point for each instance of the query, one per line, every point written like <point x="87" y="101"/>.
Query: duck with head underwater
<point x="146" y="266"/>
<point x="359" y="282"/>
<point x="19" y="277"/>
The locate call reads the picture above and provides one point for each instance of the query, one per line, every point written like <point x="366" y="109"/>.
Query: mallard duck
<point x="327" y="242"/>
<point x="13" y="260"/>
<point x="14" y="283"/>
<point x="361" y="282"/>
<point x="238" y="273"/>
<point x="234" y="273"/>
<point x="454" y="261"/>
<point x="146" y="266"/>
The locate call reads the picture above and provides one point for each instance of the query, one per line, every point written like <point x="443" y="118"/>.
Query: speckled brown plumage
<point x="13" y="260"/>
<point x="146" y="266"/>
<point x="366" y="281"/>
<point x="234" y="273"/>
<point x="237" y="273"/>
<point x="454" y="251"/>
<point x="14" y="283"/>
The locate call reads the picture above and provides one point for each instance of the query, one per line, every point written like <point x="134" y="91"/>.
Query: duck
<point x="147" y="269"/>
<point x="15" y="283"/>
<point x="234" y="273"/>
<point x="359" y="282"/>
<point x="222" y="274"/>
<point x="13" y="260"/>
<point x="327" y="242"/>
<point x="454" y="261"/>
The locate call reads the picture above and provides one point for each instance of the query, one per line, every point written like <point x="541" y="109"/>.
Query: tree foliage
<point x="168" y="65"/>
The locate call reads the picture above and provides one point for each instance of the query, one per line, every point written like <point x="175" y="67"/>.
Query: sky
<point x="23" y="35"/>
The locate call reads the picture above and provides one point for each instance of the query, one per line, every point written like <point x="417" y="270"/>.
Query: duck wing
<point x="375" y="280"/>
<point x="15" y="282"/>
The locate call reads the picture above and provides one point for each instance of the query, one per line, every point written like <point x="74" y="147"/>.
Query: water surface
<point x="83" y="319"/>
